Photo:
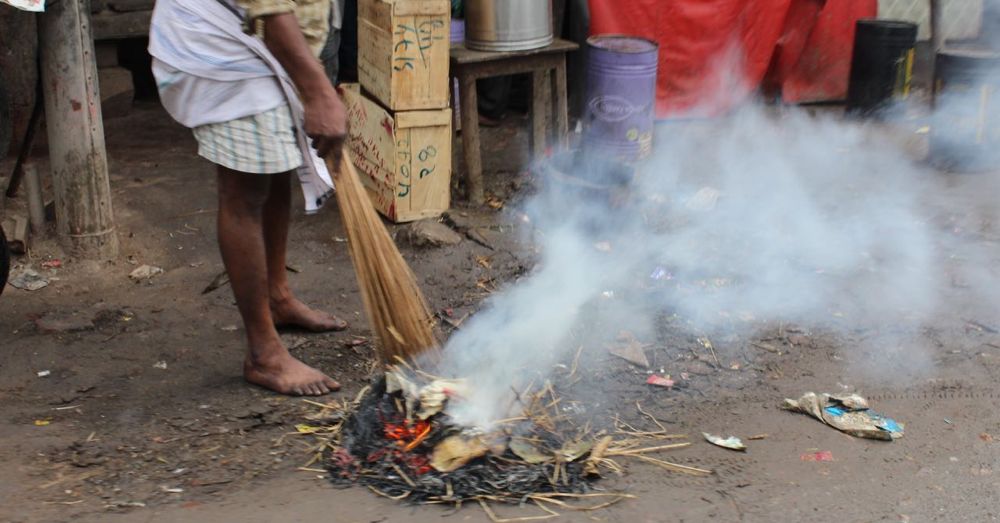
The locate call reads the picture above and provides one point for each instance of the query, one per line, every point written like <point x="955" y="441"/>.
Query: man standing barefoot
<point x="244" y="75"/>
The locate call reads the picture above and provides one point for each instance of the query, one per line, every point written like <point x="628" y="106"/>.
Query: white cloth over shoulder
<point x="36" y="6"/>
<point x="209" y="71"/>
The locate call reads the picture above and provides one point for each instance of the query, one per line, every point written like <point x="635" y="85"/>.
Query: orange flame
<point x="408" y="436"/>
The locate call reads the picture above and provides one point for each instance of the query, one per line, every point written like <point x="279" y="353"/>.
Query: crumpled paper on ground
<point x="848" y="413"/>
<point x="432" y="398"/>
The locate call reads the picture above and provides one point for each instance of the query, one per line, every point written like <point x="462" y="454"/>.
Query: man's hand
<point x="326" y="117"/>
<point x="326" y="123"/>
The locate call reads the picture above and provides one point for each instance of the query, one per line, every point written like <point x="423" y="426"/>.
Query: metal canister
<point x="621" y="95"/>
<point x="508" y="25"/>
<point x="965" y="130"/>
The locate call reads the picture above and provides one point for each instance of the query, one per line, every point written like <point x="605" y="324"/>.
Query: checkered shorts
<point x="259" y="144"/>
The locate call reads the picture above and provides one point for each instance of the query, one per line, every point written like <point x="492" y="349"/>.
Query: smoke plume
<point x="768" y="214"/>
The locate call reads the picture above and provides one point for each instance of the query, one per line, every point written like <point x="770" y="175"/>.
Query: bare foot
<point x="287" y="375"/>
<point x="294" y="313"/>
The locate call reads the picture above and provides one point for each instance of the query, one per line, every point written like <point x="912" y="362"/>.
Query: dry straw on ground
<point x="396" y="307"/>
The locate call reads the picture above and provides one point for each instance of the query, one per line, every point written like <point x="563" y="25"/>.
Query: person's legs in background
<point x="330" y="56"/>
<point x="348" y="55"/>
<point x="494" y="97"/>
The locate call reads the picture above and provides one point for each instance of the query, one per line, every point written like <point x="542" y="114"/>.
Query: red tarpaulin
<point x="715" y="53"/>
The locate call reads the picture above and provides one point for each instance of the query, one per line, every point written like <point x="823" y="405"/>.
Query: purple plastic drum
<point x="621" y="95"/>
<point x="457" y="30"/>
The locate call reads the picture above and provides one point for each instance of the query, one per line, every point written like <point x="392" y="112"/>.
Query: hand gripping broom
<point x="396" y="308"/>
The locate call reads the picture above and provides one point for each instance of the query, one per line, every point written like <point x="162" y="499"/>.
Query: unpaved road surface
<point x="143" y="415"/>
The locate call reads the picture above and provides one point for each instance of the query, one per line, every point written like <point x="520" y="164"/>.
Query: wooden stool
<point x="548" y="74"/>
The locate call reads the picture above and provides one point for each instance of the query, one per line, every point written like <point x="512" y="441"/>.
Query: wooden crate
<point x="403" y="50"/>
<point x="404" y="158"/>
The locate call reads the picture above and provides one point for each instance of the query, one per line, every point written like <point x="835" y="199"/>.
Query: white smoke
<point x="764" y="215"/>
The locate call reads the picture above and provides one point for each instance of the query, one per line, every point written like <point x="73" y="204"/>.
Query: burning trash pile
<point x="398" y="439"/>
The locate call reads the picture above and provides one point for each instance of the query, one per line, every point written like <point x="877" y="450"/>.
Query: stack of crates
<point x="400" y="122"/>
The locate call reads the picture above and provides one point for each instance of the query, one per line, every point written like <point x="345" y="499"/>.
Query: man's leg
<point x="242" y="198"/>
<point x="331" y="55"/>
<point x="285" y="308"/>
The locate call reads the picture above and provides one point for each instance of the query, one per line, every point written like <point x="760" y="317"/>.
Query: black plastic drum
<point x="881" y="64"/>
<point x="965" y="130"/>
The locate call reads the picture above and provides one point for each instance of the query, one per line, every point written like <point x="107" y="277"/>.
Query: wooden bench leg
<point x="470" y="139"/>
<point x="562" y="106"/>
<point x="541" y="111"/>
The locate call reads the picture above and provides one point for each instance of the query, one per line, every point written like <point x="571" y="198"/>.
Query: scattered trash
<point x="28" y="280"/>
<point x="338" y="239"/>
<point x="355" y="342"/>
<point x="629" y="349"/>
<point x="704" y="200"/>
<point x="731" y="443"/>
<point x="171" y="490"/>
<point x="981" y="327"/>
<point x="824" y="455"/>
<point x="608" y="294"/>
<point x="494" y="203"/>
<point x="218" y="282"/>
<point x="230" y="328"/>
<point x="659" y="381"/>
<point x="484" y="262"/>
<point x="574" y="450"/>
<point x="52" y="264"/>
<point x="42" y="422"/>
<point x="455" y="451"/>
<point x="429" y="233"/>
<point x="303" y="428"/>
<point x="847" y="413"/>
<point x="434" y="396"/>
<point x="660" y="273"/>
<point x="986" y="437"/>
<point x="44" y="373"/>
<point x="61" y="323"/>
<point x="707" y="343"/>
<point x="160" y="365"/>
<point x="144" y="272"/>
<point x="527" y="451"/>
<point x="126" y="504"/>
<point x="923" y="130"/>
<point x="948" y="421"/>
<point x="603" y="246"/>
<point x="758" y="437"/>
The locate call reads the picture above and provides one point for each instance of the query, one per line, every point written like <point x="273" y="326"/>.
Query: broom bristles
<point x="396" y="307"/>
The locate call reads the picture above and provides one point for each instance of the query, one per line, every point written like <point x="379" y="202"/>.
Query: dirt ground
<point x="143" y="415"/>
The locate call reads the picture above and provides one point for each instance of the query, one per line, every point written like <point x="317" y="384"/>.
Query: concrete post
<point x="79" y="165"/>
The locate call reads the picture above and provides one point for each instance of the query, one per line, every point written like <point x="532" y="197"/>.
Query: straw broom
<point x="396" y="307"/>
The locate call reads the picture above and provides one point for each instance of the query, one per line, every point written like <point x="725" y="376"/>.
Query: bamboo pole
<point x="937" y="42"/>
<point x="36" y="207"/>
<point x="79" y="165"/>
<point x="937" y="26"/>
